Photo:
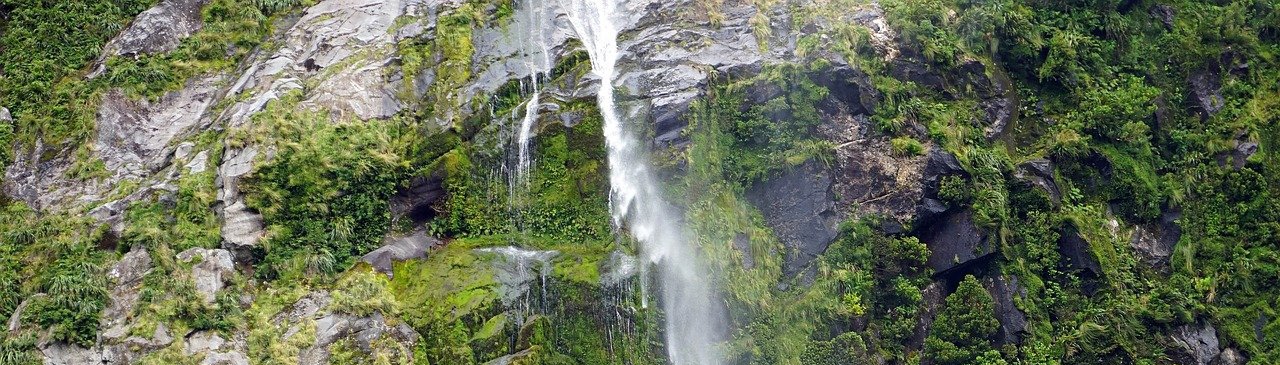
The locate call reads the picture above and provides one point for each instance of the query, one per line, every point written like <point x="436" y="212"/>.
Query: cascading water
<point x="694" y="320"/>
<point x="537" y="59"/>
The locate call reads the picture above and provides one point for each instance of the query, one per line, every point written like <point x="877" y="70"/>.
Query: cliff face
<point x="325" y="182"/>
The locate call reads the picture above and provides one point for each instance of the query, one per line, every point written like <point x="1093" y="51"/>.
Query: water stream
<point x="693" y="318"/>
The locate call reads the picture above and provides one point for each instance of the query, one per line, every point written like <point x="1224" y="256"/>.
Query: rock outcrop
<point x="159" y="29"/>
<point x="798" y="206"/>
<point x="415" y="245"/>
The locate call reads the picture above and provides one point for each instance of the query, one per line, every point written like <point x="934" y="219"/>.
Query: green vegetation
<point x="963" y="330"/>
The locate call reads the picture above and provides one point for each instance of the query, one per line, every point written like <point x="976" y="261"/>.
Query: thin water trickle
<point x="694" y="320"/>
<point x="517" y="271"/>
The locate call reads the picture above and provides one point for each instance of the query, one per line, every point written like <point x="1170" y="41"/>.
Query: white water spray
<point x="694" y="319"/>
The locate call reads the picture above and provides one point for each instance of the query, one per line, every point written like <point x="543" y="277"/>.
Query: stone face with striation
<point x="159" y="29"/>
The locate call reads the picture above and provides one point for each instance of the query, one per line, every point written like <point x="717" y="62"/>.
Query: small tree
<point x="965" y="327"/>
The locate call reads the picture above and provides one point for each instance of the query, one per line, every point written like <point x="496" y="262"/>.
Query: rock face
<point x="211" y="272"/>
<point x="939" y="164"/>
<point x="417" y="202"/>
<point x="1155" y="242"/>
<point x="127" y="275"/>
<point x="1039" y="173"/>
<point x="1199" y="342"/>
<point x="1205" y="87"/>
<point x="1077" y="253"/>
<point x="413" y="246"/>
<point x="1013" y="323"/>
<point x="159" y="29"/>
<point x="954" y="242"/>
<point x="798" y="206"/>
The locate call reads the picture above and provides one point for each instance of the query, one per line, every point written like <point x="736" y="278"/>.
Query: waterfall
<point x="693" y="317"/>
<point x="538" y="61"/>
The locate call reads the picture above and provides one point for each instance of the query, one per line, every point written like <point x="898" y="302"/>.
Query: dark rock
<point x="1230" y="356"/>
<point x="1039" y="173"/>
<point x="1242" y="152"/>
<point x="1164" y="13"/>
<point x="1197" y="344"/>
<point x="1154" y="242"/>
<point x="939" y="164"/>
<point x="954" y="241"/>
<point x="413" y="246"/>
<point x="908" y="69"/>
<point x="417" y="201"/>
<point x="850" y="91"/>
<point x="932" y="299"/>
<point x="1205" y="87"/>
<point x="1013" y="323"/>
<point x="799" y="207"/>
<point x="1077" y="253"/>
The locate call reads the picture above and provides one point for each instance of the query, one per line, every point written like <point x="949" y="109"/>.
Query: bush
<point x="963" y="330"/>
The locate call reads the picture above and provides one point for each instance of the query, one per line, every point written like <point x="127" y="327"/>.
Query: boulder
<point x="211" y="272"/>
<point x="939" y="164"/>
<point x="1013" y="323"/>
<point x="1230" y="356"/>
<point x="412" y="246"/>
<point x="799" y="207"/>
<point x="1077" y="253"/>
<point x="1205" y="88"/>
<point x="954" y="242"/>
<point x="1039" y="173"/>
<point x="1154" y="242"/>
<point x="1198" y="343"/>
<point x="159" y="29"/>
<point x="61" y="353"/>
<point x="5" y="117"/>
<point x="127" y="275"/>
<point x="1164" y="13"/>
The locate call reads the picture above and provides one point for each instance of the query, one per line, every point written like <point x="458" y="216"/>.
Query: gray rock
<point x="932" y="299"/>
<point x="954" y="242"/>
<point x="413" y="246"/>
<point x="127" y="275"/>
<point x="203" y="342"/>
<point x="199" y="163"/>
<point x="60" y="353"/>
<point x="159" y="29"/>
<point x="1164" y="13"/>
<point x="939" y="164"/>
<point x="1198" y="342"/>
<point x="1230" y="356"/>
<point x="1013" y="323"/>
<point x="241" y="230"/>
<point x="5" y="117"/>
<point x="211" y="272"/>
<point x="1154" y="242"/>
<point x="1205" y="88"/>
<point x="1039" y="173"/>
<point x="799" y="207"/>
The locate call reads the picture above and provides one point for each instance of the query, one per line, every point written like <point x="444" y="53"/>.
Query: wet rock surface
<point x="800" y="209"/>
